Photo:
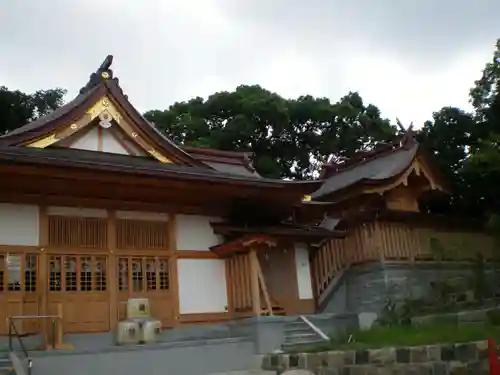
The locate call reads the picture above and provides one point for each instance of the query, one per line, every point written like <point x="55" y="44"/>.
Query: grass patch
<point x="379" y="337"/>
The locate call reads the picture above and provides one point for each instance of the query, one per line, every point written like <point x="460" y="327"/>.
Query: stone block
<point x="434" y="353"/>
<point x="313" y="361"/>
<point x="284" y="361"/>
<point x="444" y="319"/>
<point x="357" y="370"/>
<point x="457" y="368"/>
<point x="274" y="360"/>
<point x="439" y="368"/>
<point x="303" y="359"/>
<point x="471" y="316"/>
<point x="475" y="368"/>
<point x="329" y="371"/>
<point x="403" y="355"/>
<point x="418" y="354"/>
<point x="418" y="369"/>
<point x="466" y="352"/>
<point x="349" y="357"/>
<point x="383" y="356"/>
<point x="335" y="358"/>
<point x="448" y="353"/>
<point x="293" y="360"/>
<point x="482" y="349"/>
<point x="266" y="363"/>
<point x="362" y="357"/>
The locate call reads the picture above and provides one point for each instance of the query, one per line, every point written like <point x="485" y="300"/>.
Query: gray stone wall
<point x="469" y="358"/>
<point x="363" y="288"/>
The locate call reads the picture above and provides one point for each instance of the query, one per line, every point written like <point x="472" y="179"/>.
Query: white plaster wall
<point x="76" y="211"/>
<point x="137" y="215"/>
<point x="132" y="146"/>
<point x="19" y="224"/>
<point x="88" y="141"/>
<point x="111" y="144"/>
<point x="194" y="232"/>
<point x="303" y="271"/>
<point x="202" y="286"/>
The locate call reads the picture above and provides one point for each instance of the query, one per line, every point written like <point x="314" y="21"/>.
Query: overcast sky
<point x="408" y="57"/>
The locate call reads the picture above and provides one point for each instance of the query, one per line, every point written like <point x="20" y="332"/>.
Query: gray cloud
<point x="423" y="32"/>
<point x="167" y="50"/>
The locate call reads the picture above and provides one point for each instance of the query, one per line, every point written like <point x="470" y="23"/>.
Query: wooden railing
<point x="382" y="241"/>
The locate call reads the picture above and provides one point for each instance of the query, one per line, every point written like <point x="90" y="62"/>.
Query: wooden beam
<point x="173" y="267"/>
<point x="254" y="283"/>
<point x="263" y="287"/>
<point x="112" y="266"/>
<point x="43" y="272"/>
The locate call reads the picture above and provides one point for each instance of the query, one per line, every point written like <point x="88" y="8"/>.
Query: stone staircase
<point x="299" y="335"/>
<point x="6" y="367"/>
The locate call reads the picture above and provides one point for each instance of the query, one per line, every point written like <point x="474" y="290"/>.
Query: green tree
<point x="18" y="108"/>
<point x="289" y="138"/>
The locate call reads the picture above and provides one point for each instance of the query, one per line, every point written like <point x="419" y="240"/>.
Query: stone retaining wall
<point x="462" y="317"/>
<point x="363" y="288"/>
<point x="448" y="359"/>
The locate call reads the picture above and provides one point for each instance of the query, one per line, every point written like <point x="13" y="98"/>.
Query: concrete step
<point x="301" y="337"/>
<point x="5" y="363"/>
<point x="304" y="344"/>
<point x="297" y="328"/>
<point x="6" y="367"/>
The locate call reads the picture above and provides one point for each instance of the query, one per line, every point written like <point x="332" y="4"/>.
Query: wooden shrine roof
<point x="101" y="161"/>
<point x="102" y="86"/>
<point x="265" y="237"/>
<point x="378" y="167"/>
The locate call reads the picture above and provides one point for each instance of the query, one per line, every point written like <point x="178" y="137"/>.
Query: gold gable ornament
<point x="159" y="156"/>
<point x="306" y="198"/>
<point x="44" y="142"/>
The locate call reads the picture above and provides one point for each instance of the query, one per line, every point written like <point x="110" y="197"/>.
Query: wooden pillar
<point x="112" y="279"/>
<point x="294" y="282"/>
<point x="43" y="272"/>
<point x="229" y="287"/>
<point x="254" y="282"/>
<point x="173" y="270"/>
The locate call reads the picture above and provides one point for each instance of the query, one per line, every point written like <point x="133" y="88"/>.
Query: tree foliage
<point x="288" y="137"/>
<point x="18" y="108"/>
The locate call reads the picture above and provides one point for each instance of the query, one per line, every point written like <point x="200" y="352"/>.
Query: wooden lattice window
<point x="77" y="231"/>
<point x="141" y="234"/>
<point x="30" y="272"/>
<point x="143" y="274"/>
<point x="77" y="273"/>
<point x="17" y="273"/>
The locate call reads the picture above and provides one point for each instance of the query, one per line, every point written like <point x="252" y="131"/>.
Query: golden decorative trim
<point x="306" y="198"/>
<point x="102" y="105"/>
<point x="159" y="156"/>
<point x="44" y="142"/>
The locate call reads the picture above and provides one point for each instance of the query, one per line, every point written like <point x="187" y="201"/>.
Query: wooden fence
<point x="384" y="241"/>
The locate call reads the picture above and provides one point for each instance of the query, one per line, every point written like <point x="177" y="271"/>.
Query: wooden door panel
<point x="145" y="277"/>
<point x="79" y="284"/>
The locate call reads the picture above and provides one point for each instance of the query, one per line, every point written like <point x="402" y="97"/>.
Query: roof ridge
<point x="102" y="73"/>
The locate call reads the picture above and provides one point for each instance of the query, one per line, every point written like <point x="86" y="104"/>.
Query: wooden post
<point x="173" y="269"/>
<point x="111" y="264"/>
<point x="263" y="286"/>
<point x="254" y="282"/>
<point x="43" y="273"/>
